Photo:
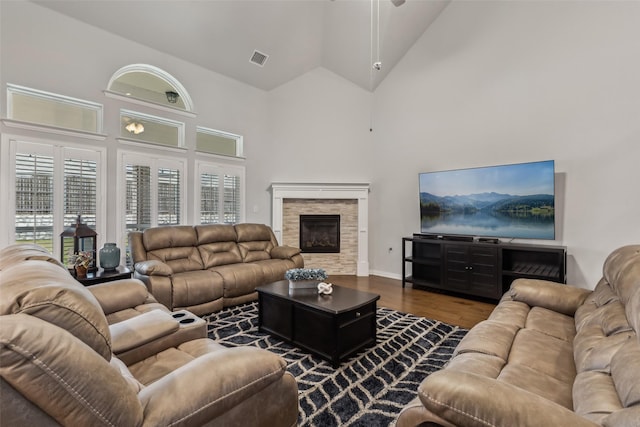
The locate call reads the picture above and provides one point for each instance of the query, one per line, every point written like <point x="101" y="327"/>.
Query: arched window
<point x="148" y="83"/>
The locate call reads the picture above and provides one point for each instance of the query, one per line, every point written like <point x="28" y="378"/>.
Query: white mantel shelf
<point x="349" y="191"/>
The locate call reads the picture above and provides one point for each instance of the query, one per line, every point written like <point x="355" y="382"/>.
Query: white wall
<point x="502" y="82"/>
<point x="45" y="50"/>
<point x="318" y="132"/>
<point x="488" y="83"/>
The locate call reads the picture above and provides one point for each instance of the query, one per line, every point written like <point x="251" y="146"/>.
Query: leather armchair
<point x="58" y="366"/>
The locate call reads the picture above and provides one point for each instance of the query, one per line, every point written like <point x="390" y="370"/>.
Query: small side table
<point x="102" y="276"/>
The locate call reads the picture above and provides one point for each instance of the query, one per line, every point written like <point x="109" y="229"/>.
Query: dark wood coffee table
<point x="331" y="326"/>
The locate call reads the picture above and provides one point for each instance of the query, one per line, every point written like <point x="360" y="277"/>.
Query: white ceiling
<point x="298" y="35"/>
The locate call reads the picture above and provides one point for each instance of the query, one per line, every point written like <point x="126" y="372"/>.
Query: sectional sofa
<point x="549" y="355"/>
<point x="111" y="355"/>
<point x="204" y="268"/>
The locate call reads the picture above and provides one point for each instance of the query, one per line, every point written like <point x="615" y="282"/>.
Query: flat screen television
<point x="508" y="201"/>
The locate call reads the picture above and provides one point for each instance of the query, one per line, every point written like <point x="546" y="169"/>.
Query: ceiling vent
<point x="259" y="58"/>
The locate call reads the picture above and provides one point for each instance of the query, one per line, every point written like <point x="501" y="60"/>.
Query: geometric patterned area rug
<point x="371" y="387"/>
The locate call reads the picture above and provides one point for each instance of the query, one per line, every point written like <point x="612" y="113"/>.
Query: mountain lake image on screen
<point x="508" y="201"/>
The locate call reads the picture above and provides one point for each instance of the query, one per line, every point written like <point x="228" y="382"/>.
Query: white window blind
<point x="231" y="199"/>
<point x="168" y="196"/>
<point x="34" y="199"/>
<point x="80" y="190"/>
<point x="209" y="198"/>
<point x="53" y="184"/>
<point x="138" y="197"/>
<point x="154" y="193"/>
<point x="221" y="193"/>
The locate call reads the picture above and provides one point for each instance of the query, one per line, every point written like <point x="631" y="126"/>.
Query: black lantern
<point x="78" y="238"/>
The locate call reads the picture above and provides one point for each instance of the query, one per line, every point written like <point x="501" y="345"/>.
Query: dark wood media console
<point x="479" y="269"/>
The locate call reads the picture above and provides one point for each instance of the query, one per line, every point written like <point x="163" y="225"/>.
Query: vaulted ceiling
<point x="297" y="35"/>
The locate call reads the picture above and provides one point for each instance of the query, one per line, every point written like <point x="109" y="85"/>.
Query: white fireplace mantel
<point x="359" y="192"/>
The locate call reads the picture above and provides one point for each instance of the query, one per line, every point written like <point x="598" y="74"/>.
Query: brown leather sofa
<point x="549" y="355"/>
<point x="204" y="268"/>
<point x="58" y="366"/>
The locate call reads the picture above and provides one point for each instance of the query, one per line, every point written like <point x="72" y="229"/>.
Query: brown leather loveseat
<point x="204" y="268"/>
<point x="549" y="355"/>
<point x="58" y="365"/>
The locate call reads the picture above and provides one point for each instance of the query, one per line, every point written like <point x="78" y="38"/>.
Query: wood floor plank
<point x="450" y="309"/>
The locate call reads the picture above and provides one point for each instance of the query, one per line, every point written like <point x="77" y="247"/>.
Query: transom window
<point x="218" y="142"/>
<point x="148" y="83"/>
<point x="153" y="129"/>
<point x="50" y="109"/>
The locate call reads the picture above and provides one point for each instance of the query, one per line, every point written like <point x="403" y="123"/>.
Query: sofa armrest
<point x="153" y="268"/>
<point x="142" y="329"/>
<point x="209" y="386"/>
<point x="466" y="399"/>
<point x="284" y="252"/>
<point x="554" y="296"/>
<point x="121" y="294"/>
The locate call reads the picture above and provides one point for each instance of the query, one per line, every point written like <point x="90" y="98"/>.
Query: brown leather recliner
<point x="58" y="368"/>
<point x="204" y="268"/>
<point x="549" y="355"/>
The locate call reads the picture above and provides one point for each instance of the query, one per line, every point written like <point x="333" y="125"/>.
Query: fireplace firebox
<point x="320" y="233"/>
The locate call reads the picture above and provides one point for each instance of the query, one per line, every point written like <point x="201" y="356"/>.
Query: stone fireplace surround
<point x="319" y="191"/>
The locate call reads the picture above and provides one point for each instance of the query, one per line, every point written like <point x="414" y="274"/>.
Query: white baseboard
<point x="385" y="274"/>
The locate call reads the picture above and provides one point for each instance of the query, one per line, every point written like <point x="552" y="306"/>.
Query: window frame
<point x="59" y="151"/>
<point x="98" y="109"/>
<point x="180" y="126"/>
<point x="202" y="166"/>
<point x="155" y="162"/>
<point x="239" y="140"/>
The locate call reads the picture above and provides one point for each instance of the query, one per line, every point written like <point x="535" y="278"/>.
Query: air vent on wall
<point x="259" y="58"/>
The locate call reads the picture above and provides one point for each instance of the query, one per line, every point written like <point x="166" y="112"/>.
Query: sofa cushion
<point x="174" y="246"/>
<point x="274" y="269"/>
<point x="486" y="365"/>
<point x="534" y="381"/>
<point x="551" y="323"/>
<point x="179" y="259"/>
<point x="255" y="241"/>
<point x="556" y="360"/>
<point x="213" y="233"/>
<point x="121" y="295"/>
<point x="15" y="253"/>
<point x="255" y="251"/>
<point x="240" y="279"/>
<point x="551" y="295"/>
<point x="220" y="253"/>
<point x="252" y="232"/>
<point x="152" y="369"/>
<point x="284" y="252"/>
<point x="196" y="287"/>
<point x="489" y="337"/>
<point x="44" y="290"/>
<point x="594" y="395"/>
<point x="42" y="361"/>
<point x="510" y="312"/>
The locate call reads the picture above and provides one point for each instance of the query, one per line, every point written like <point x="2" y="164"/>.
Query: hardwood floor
<point x="453" y="310"/>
